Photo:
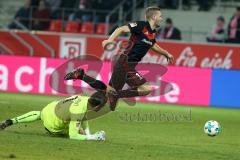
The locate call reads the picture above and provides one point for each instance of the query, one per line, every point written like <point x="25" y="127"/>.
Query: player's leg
<point x="25" y="118"/>
<point x="117" y="82"/>
<point x="142" y="90"/>
<point x="138" y="85"/>
<point x="96" y="84"/>
<point x="118" y="78"/>
<point x="119" y="72"/>
<point x="79" y="74"/>
<point x="28" y="117"/>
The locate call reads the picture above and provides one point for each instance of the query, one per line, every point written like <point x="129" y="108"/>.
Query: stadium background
<point x="65" y="39"/>
<point x="205" y="75"/>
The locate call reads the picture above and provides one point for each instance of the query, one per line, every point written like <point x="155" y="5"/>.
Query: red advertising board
<point x="185" y="54"/>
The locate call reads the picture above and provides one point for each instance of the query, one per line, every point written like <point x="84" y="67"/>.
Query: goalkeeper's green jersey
<point x="66" y="116"/>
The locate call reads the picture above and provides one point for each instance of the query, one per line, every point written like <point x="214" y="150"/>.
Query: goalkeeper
<point x="69" y="116"/>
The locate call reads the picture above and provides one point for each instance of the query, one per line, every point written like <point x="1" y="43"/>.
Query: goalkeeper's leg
<point x="25" y="118"/>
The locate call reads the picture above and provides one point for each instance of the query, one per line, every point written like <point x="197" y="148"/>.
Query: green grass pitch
<point x="127" y="137"/>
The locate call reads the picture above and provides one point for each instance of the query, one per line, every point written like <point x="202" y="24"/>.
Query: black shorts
<point x="125" y="72"/>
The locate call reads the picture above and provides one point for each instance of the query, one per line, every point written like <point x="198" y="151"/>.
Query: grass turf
<point x="128" y="137"/>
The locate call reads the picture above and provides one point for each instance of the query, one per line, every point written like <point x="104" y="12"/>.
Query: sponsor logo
<point x="72" y="47"/>
<point x="139" y="76"/>
<point x="188" y="58"/>
<point x="133" y="24"/>
<point x="147" y="41"/>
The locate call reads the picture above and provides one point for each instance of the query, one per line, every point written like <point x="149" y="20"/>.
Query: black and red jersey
<point x="141" y="40"/>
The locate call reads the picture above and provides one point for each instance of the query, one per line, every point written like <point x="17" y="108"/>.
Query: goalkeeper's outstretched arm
<point x="80" y="131"/>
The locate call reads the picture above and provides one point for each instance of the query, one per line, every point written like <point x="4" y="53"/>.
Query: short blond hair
<point x="150" y="11"/>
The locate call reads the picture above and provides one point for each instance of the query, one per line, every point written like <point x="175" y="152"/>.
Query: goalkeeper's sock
<point x="91" y="137"/>
<point x="87" y="131"/>
<point x="28" y="117"/>
<point x="84" y="137"/>
<point x="96" y="84"/>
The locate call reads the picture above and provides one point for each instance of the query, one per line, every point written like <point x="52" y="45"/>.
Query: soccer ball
<point x="100" y="136"/>
<point x="212" y="128"/>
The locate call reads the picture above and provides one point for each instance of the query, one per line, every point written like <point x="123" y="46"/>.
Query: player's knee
<point x="144" y="93"/>
<point x="144" y="90"/>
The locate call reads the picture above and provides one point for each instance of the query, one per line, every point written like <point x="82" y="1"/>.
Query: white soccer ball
<point x="212" y="128"/>
<point x="100" y="136"/>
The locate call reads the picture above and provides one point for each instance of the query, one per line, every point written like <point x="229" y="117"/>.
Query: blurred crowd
<point x="204" y="5"/>
<point x="169" y="31"/>
<point x="36" y="15"/>
<point x="230" y="34"/>
<point x="220" y="33"/>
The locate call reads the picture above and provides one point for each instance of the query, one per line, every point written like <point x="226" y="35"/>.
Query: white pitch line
<point x="4" y="102"/>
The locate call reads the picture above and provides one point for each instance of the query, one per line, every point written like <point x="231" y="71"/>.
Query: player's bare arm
<point x="115" y="35"/>
<point x="162" y="51"/>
